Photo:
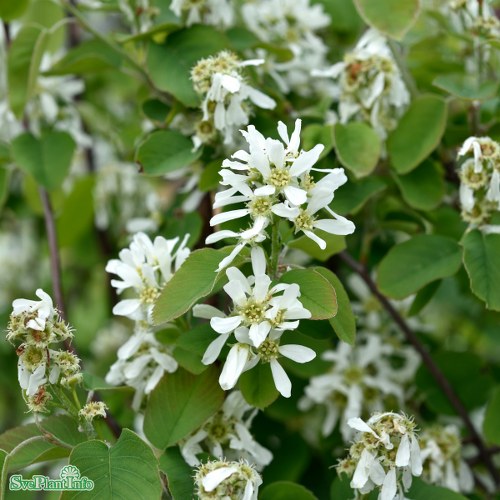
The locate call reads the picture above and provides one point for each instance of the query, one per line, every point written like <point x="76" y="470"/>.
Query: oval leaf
<point x="482" y="263"/>
<point x="47" y="159"/>
<point x="413" y="264"/>
<point x="392" y="17"/>
<point x="286" y="490"/>
<point x="257" y="386"/>
<point x="418" y="133"/>
<point x="316" y="293"/>
<point x="126" y="470"/>
<point x="466" y="86"/>
<point x="165" y="151"/>
<point x="181" y="403"/>
<point x="358" y="147"/>
<point x="344" y="323"/>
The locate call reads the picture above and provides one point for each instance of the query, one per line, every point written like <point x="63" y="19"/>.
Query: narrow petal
<point x="389" y="487"/>
<point x="297" y="353"/>
<point x="214" y="349"/>
<point x="234" y="366"/>
<point x="281" y="380"/>
<point x="225" y="325"/>
<point x="215" y="477"/>
<point x="403" y="454"/>
<point x="306" y="160"/>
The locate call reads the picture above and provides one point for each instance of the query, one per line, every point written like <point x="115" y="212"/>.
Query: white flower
<point x="227" y="480"/>
<point x="372" y="462"/>
<point x="142" y="362"/>
<point x="226" y="95"/>
<point x="243" y="356"/>
<point x="370" y="87"/>
<point x="442" y="461"/>
<point x="29" y="380"/>
<point x="41" y="310"/>
<point x="257" y="307"/>
<point x="146" y="266"/>
<point x="212" y="12"/>
<point x="360" y="381"/>
<point x="227" y="434"/>
<point x="291" y="25"/>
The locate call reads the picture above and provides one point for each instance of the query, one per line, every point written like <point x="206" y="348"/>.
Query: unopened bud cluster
<point x="222" y="479"/>
<point x="385" y="454"/>
<point x="34" y="328"/>
<point x="480" y="181"/>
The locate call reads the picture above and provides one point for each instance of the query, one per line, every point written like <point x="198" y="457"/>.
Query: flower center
<point x="253" y="312"/>
<point x="279" y="178"/>
<point x="304" y="221"/>
<point x="280" y="316"/>
<point x="260" y="206"/>
<point x="268" y="350"/>
<point x="149" y="294"/>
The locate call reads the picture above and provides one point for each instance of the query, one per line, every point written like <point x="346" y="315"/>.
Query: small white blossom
<point x="257" y="307"/>
<point x="385" y="455"/>
<point x="93" y="410"/>
<point x="361" y="381"/>
<point x="442" y="461"/>
<point x="218" y="13"/>
<point x="221" y="82"/>
<point x="370" y="87"/>
<point x="39" y="311"/>
<point x="227" y="434"/>
<point x="146" y="266"/>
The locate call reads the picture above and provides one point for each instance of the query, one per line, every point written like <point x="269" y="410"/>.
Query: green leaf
<point x="10" y="10"/>
<point x="344" y="322"/>
<point x="127" y="470"/>
<point x="358" y="147"/>
<point x="210" y="178"/>
<point x="191" y="346"/>
<point x="317" y="134"/>
<point x="194" y="280"/>
<point x="351" y="197"/>
<point x="334" y="245"/>
<point x="285" y="490"/>
<point x="25" y="55"/>
<point x="392" y="17"/>
<point x="466" y="86"/>
<point x="418" y="133"/>
<point x="257" y="386"/>
<point x="181" y="403"/>
<point x="77" y="213"/>
<point x="165" y="151"/>
<point x="64" y="429"/>
<point x="316" y="293"/>
<point x="491" y="429"/>
<point x="424" y="187"/>
<point x="90" y="56"/>
<point x="482" y="263"/>
<point x="413" y="264"/>
<point x="47" y="159"/>
<point x="423" y="297"/>
<point x="466" y="374"/>
<point x="179" y="474"/>
<point x="423" y="491"/>
<point x="156" y="110"/>
<point x="5" y="175"/>
<point x="170" y="64"/>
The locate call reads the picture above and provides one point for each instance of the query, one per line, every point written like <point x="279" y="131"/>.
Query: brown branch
<point x="433" y="368"/>
<point x="55" y="260"/>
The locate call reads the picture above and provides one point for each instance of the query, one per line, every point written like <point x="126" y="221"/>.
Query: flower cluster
<point x="363" y="379"/>
<point x="471" y="17"/>
<point x="226" y="97"/>
<point x="212" y="12"/>
<point x="227" y="435"/>
<point x="480" y="182"/>
<point x="369" y="85"/>
<point x="222" y="479"/>
<point x="260" y="315"/>
<point x="93" y="410"/>
<point x="442" y="460"/>
<point x="34" y="326"/>
<point x="274" y="179"/>
<point x="385" y="454"/>
<point x="290" y="25"/>
<point x="145" y="268"/>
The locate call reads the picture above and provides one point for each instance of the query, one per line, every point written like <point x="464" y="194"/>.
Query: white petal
<point x="215" y="477"/>
<point x="227" y="216"/>
<point x="225" y="325"/>
<point x="235" y="364"/>
<point x="416" y="458"/>
<point x="403" y="454"/>
<point x="295" y="195"/>
<point x="258" y="333"/>
<point x="126" y="307"/>
<point x="214" y="349"/>
<point x="297" y="353"/>
<point x="361" y="474"/>
<point x="206" y="311"/>
<point x="340" y="227"/>
<point x="389" y="488"/>
<point x="281" y="380"/>
<point x="258" y="261"/>
<point x="306" y="160"/>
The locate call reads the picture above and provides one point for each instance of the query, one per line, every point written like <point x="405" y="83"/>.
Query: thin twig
<point x="55" y="260"/>
<point x="433" y="368"/>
